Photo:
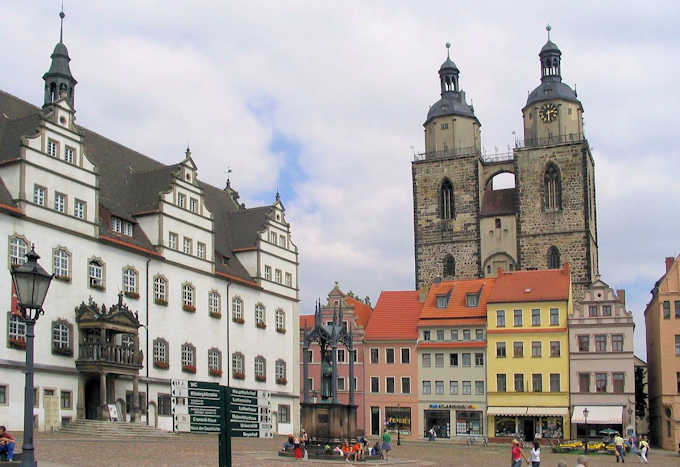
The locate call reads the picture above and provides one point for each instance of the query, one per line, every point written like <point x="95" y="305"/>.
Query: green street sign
<point x="203" y="402"/>
<point x="204" y="420"/>
<point x="204" y="393"/>
<point x="243" y="392"/>
<point x="245" y="425"/>
<point x="240" y="400"/>
<point x="205" y="428"/>
<point x="244" y="408"/>
<point x="210" y="411"/>
<point x="243" y="417"/>
<point x="245" y="433"/>
<point x="203" y="385"/>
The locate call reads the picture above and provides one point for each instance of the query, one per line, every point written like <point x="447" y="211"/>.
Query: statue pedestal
<point x="328" y="421"/>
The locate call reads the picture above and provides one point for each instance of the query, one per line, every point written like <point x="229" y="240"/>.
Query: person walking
<point x="644" y="447"/>
<point x="516" y="455"/>
<point x="535" y="454"/>
<point x="386" y="444"/>
<point x="620" y="451"/>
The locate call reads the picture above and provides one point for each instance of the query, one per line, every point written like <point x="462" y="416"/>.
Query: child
<point x="535" y="454"/>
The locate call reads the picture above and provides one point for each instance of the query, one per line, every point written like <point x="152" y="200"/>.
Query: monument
<point x="327" y="419"/>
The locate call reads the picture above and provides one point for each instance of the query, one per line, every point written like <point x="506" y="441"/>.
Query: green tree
<point x="640" y="392"/>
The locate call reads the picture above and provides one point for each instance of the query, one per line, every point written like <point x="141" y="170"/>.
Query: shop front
<point x="594" y="421"/>
<point x="450" y="419"/>
<point x="527" y="423"/>
<point x="398" y="419"/>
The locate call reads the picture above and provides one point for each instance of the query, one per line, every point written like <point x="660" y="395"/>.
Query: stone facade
<point x="543" y="221"/>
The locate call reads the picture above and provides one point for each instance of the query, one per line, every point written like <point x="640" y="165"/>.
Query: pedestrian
<point x="582" y="461"/>
<point x="297" y="448"/>
<point x="431" y="435"/>
<point x="7" y="443"/>
<point x="561" y="464"/>
<point x="644" y="447"/>
<point x="516" y="455"/>
<point x="620" y="452"/>
<point x="535" y="454"/>
<point x="386" y="444"/>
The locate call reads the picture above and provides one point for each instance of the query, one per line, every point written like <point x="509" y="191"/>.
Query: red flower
<point x="215" y="372"/>
<point x="189" y="368"/>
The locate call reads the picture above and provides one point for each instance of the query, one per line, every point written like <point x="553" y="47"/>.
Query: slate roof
<point x="531" y="286"/>
<point x="130" y="183"/>
<point x="498" y="202"/>
<point x="552" y="88"/>
<point x="395" y="316"/>
<point x="457" y="292"/>
<point x="451" y="103"/>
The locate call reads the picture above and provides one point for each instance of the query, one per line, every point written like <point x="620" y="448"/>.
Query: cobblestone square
<point x="56" y="450"/>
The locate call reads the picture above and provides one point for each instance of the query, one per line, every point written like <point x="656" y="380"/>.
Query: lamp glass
<point x="31" y="283"/>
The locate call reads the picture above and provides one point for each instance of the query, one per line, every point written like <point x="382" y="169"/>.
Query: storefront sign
<point x="398" y="418"/>
<point x="453" y="406"/>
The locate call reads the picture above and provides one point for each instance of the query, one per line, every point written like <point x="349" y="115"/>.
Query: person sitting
<point x="288" y="445"/>
<point x="346" y="450"/>
<point x="327" y="449"/>
<point x="7" y="443"/>
<point x="357" y="451"/>
<point x="338" y="449"/>
<point x="375" y="450"/>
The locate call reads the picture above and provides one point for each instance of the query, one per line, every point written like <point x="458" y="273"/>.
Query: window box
<point x="281" y="330"/>
<point x="63" y="278"/>
<point x="132" y="295"/>
<point x="238" y="375"/>
<point x="162" y="365"/>
<point x="238" y="320"/>
<point x="189" y="368"/>
<point x="17" y="343"/>
<point x="97" y="286"/>
<point x="261" y="378"/>
<point x="65" y="351"/>
<point x="160" y="301"/>
<point x="215" y="314"/>
<point x="281" y="381"/>
<point x="215" y="372"/>
<point x="261" y="325"/>
<point x="189" y="308"/>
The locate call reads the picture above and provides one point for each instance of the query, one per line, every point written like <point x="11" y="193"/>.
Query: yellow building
<point x="528" y="354"/>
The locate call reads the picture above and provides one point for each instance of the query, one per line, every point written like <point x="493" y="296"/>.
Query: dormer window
<point x="120" y="226"/>
<point x="472" y="300"/>
<point x="442" y="301"/>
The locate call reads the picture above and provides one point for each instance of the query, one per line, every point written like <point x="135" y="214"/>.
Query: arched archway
<point x="498" y="260"/>
<point x="500" y="180"/>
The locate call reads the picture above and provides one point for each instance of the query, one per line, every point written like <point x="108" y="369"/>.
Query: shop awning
<point x="548" y="411"/>
<point x="598" y="414"/>
<point x="513" y="411"/>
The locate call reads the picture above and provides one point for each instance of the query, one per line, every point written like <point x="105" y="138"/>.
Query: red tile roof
<point x="531" y="286"/>
<point x="306" y="321"/>
<point x="361" y="311"/>
<point x="395" y="317"/>
<point x="457" y="292"/>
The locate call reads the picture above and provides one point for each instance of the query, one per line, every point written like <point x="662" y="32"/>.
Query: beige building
<point x="601" y="363"/>
<point x="662" y="320"/>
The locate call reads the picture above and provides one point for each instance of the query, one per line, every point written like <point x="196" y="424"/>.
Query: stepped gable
<point x="457" y="308"/>
<point x="531" y="286"/>
<point x="362" y="311"/>
<point x="498" y="202"/>
<point x="395" y="316"/>
<point x="130" y="183"/>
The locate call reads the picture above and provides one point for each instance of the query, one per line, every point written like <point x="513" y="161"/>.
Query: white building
<point x="213" y="285"/>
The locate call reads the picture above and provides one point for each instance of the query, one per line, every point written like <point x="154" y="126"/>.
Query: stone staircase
<point x="113" y="430"/>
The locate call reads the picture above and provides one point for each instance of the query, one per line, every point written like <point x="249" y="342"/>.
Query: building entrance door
<point x="529" y="429"/>
<point x="375" y="421"/>
<point x="91" y="398"/>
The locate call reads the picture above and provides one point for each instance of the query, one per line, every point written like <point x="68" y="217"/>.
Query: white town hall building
<point x="157" y="274"/>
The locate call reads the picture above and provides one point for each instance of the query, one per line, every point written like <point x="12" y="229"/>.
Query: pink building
<point x="391" y="368"/>
<point x="356" y="315"/>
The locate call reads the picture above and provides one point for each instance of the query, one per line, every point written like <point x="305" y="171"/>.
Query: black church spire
<point x="59" y="82"/>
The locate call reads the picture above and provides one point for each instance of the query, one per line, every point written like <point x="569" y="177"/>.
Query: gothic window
<point x="446" y="206"/>
<point x="449" y="266"/>
<point x="188" y="297"/>
<point x="553" y="258"/>
<point x="214" y="303"/>
<point x="553" y="188"/>
<point x="237" y="367"/>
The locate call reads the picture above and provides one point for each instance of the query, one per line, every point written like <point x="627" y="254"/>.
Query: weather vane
<point x="62" y="15"/>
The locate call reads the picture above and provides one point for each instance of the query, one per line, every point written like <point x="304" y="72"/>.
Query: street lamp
<point x="398" y="424"/>
<point x="31" y="282"/>
<point x="585" y="422"/>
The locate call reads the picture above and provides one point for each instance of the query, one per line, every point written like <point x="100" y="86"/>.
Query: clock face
<point x="548" y="112"/>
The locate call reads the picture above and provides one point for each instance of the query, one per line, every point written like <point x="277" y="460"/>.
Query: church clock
<point x="548" y="112"/>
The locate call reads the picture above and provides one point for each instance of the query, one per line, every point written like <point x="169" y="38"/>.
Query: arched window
<point x="95" y="272"/>
<point x="17" y="251"/>
<point x="237" y="310"/>
<point x="553" y="258"/>
<point x="237" y="366"/>
<point x="446" y="206"/>
<point x="214" y="304"/>
<point x="214" y="362"/>
<point x="553" y="188"/>
<point x="129" y="281"/>
<point x="161" y="356"/>
<point x="281" y="372"/>
<point x="280" y="321"/>
<point x="260" y="369"/>
<point x="61" y="262"/>
<point x="449" y="266"/>
<point x="188" y="358"/>
<point x="260" y="320"/>
<point x="188" y="297"/>
<point x="160" y="290"/>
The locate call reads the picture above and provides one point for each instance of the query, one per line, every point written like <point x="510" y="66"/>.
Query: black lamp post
<point x="31" y="282"/>
<point x="399" y="424"/>
<point x="585" y="419"/>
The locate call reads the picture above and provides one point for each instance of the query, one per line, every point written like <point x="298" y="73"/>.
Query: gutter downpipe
<point x="148" y="260"/>
<point x="228" y="337"/>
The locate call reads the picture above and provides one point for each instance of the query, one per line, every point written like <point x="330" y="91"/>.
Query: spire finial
<point x="548" y="28"/>
<point x="61" y="26"/>
<point x="278" y="195"/>
<point x="448" y="47"/>
<point x="228" y="177"/>
<point x="188" y="151"/>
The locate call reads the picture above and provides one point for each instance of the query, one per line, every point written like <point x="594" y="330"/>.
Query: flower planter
<point x="96" y="287"/>
<point x="237" y="375"/>
<point x="189" y="368"/>
<point x="134" y="295"/>
<point x="238" y="320"/>
<point x="261" y="379"/>
<point x="63" y="278"/>
<point x="281" y="330"/>
<point x="281" y="381"/>
<point x="160" y="364"/>
<point x="65" y="351"/>
<point x="261" y="325"/>
<point x="189" y="308"/>
<point x="215" y="314"/>
<point x="215" y="372"/>
<point x="17" y="343"/>
<point x="161" y="302"/>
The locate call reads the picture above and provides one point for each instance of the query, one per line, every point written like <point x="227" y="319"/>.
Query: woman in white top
<point x="536" y="454"/>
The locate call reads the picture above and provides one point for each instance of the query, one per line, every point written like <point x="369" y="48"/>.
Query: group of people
<point x="351" y="451"/>
<point x="297" y="444"/>
<point x="621" y="444"/>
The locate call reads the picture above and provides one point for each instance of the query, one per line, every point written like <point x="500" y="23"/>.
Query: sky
<point x="325" y="102"/>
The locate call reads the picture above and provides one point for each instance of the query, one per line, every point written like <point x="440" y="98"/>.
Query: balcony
<point x="109" y="355"/>
<point x="553" y="140"/>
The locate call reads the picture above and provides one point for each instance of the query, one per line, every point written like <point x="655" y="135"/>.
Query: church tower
<point x="445" y="193"/>
<point x="59" y="82"/>
<point x="556" y="179"/>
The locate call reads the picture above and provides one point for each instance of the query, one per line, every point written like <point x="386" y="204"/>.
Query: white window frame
<point x="61" y="263"/>
<point x="237" y="308"/>
<point x="214" y="302"/>
<point x="69" y="154"/>
<point x="374" y="378"/>
<point x="52" y="148"/>
<point x="410" y="389"/>
<point x="60" y="202"/>
<point x="60" y="335"/>
<point x="280" y="318"/>
<point x="453" y="387"/>
<point x="278" y="276"/>
<point x="117" y="224"/>
<point x="160" y="350"/>
<point x="188" y="357"/>
<point x="214" y="360"/>
<point x="79" y="209"/>
<point x="187" y="246"/>
<point x="188" y="294"/>
<point x="428" y="384"/>
<point x="16" y="327"/>
<point x="95" y="273"/>
<point x="267" y="272"/>
<point x="18" y="247"/>
<point x="181" y="200"/>
<point x="260" y="366"/>
<point x="39" y="195"/>
<point x="200" y="250"/>
<point x="193" y="205"/>
<point x="394" y="385"/>
<point x="401" y="355"/>
<point x="238" y="363"/>
<point x="280" y="369"/>
<point x="173" y="239"/>
<point x="394" y="356"/>
<point x="160" y="288"/>
<point x="260" y="314"/>
<point x="289" y="279"/>
<point x="129" y="280"/>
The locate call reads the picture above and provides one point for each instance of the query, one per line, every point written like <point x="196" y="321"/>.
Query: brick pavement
<point x="58" y="450"/>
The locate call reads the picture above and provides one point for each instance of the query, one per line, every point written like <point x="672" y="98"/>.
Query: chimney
<point x="422" y="294"/>
<point x="622" y="296"/>
<point x="669" y="263"/>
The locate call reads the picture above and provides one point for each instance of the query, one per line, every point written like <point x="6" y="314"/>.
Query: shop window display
<point x="505" y="426"/>
<point x="469" y="423"/>
<point x="398" y="418"/>
<point x="440" y="420"/>
<point x="551" y="427"/>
